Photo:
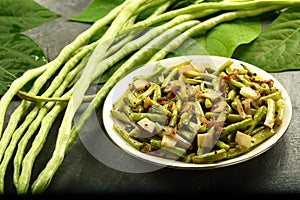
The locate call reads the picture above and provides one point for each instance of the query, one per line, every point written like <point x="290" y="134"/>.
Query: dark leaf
<point x="96" y="10"/>
<point x="223" y="39"/>
<point x="18" y="53"/>
<point x="278" y="47"/>
<point x="21" y="15"/>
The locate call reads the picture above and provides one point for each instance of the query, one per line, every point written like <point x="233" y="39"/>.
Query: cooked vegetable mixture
<point x="197" y="113"/>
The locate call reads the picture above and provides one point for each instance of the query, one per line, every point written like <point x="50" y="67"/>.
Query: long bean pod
<point x="42" y="114"/>
<point x="29" y="120"/>
<point x="44" y="178"/>
<point x="22" y="185"/>
<point x="213" y="7"/>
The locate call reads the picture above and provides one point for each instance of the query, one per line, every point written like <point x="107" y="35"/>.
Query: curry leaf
<point x="278" y="46"/>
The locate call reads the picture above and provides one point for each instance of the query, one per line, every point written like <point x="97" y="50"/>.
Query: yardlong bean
<point x="46" y="119"/>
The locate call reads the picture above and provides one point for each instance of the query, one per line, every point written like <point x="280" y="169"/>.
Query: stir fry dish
<point x="198" y="113"/>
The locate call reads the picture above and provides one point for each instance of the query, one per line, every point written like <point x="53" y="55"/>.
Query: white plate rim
<point x="216" y="61"/>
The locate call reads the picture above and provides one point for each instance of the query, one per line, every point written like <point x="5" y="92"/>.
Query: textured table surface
<point x="112" y="171"/>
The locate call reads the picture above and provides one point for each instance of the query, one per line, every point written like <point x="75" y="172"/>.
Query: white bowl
<point x="122" y="85"/>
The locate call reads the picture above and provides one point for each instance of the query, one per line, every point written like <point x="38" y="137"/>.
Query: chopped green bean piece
<point x="210" y="157"/>
<point x="275" y="96"/>
<point x="223" y="67"/>
<point x="242" y="125"/>
<point x="270" y="115"/>
<point x="261" y="136"/>
<point x="280" y="108"/>
<point x="135" y="143"/>
<point x="257" y="118"/>
<point x="175" y="150"/>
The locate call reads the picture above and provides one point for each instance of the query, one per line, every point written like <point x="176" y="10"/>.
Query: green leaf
<point x="18" y="53"/>
<point x="278" y="47"/>
<point x="21" y="15"/>
<point x="223" y="39"/>
<point x="96" y="10"/>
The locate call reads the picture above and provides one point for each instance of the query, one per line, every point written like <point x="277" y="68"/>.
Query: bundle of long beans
<point x="79" y="64"/>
